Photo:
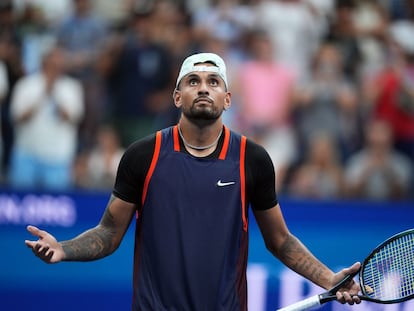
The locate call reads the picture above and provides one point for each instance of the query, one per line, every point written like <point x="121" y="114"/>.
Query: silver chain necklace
<point x="198" y="147"/>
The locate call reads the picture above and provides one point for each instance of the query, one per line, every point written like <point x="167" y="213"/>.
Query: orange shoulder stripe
<point x="225" y="147"/>
<point x="243" y="181"/>
<point x="152" y="166"/>
<point x="176" y="139"/>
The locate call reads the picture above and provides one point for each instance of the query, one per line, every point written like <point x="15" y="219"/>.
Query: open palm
<point x="46" y="247"/>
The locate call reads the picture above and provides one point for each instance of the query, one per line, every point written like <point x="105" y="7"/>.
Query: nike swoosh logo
<point x="223" y="184"/>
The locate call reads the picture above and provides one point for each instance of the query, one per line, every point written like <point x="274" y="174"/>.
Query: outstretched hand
<point x="46" y="247"/>
<point x="348" y="293"/>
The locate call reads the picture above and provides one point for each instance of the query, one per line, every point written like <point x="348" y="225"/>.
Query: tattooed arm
<point x="93" y="244"/>
<point x="288" y="249"/>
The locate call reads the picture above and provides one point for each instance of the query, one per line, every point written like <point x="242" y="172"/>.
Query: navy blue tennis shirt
<point x="191" y="244"/>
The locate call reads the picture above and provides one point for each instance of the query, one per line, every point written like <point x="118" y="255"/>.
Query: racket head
<point x="387" y="274"/>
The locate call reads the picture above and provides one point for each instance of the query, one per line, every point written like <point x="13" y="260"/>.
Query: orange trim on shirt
<point x="225" y="147"/>
<point x="152" y="166"/>
<point x="243" y="182"/>
<point x="176" y="139"/>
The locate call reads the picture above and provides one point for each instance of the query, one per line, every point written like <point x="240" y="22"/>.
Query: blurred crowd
<point x="327" y="86"/>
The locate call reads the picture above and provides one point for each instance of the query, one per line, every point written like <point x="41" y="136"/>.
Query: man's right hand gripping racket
<point x="386" y="275"/>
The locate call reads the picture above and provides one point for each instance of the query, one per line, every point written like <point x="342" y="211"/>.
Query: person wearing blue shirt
<point x="189" y="186"/>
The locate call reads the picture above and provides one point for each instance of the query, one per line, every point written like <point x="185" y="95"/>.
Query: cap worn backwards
<point x="190" y="65"/>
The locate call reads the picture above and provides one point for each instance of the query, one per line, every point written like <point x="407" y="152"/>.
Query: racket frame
<point x="330" y="295"/>
<point x="365" y="295"/>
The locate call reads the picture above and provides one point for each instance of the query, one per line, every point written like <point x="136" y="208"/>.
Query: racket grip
<point x="310" y="303"/>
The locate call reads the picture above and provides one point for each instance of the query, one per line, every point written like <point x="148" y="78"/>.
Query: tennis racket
<point x="386" y="275"/>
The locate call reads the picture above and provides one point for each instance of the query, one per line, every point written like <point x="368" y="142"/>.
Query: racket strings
<point x="389" y="273"/>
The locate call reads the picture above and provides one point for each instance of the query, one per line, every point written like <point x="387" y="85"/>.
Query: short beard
<point x="202" y="117"/>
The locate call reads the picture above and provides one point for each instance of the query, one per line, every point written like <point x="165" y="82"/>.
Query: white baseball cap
<point x="190" y="65"/>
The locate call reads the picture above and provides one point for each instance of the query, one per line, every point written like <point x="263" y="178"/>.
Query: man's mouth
<point x="203" y="99"/>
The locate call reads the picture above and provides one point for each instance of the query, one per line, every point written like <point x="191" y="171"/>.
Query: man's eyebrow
<point x="210" y="75"/>
<point x="192" y="75"/>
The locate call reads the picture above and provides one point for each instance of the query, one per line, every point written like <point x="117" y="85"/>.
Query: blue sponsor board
<point x="339" y="233"/>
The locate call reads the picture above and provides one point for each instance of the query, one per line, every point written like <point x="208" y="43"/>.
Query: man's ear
<point x="177" y="98"/>
<point x="227" y="101"/>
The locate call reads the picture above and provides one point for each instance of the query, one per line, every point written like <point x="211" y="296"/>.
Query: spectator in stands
<point x="36" y="34"/>
<point x="97" y="168"/>
<point x="378" y="171"/>
<point x="329" y="102"/>
<point x="140" y="80"/>
<point x="82" y="35"/>
<point x="173" y="30"/>
<point x="46" y="108"/>
<point x="52" y="11"/>
<point x="176" y="30"/>
<point x="343" y="34"/>
<point x="370" y="22"/>
<point x="390" y="93"/>
<point x="265" y="89"/>
<point x="320" y="175"/>
<point x="295" y="29"/>
<point x="225" y="18"/>
<point x="115" y="13"/>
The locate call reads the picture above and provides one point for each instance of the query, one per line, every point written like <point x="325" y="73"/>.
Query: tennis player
<point x="190" y="187"/>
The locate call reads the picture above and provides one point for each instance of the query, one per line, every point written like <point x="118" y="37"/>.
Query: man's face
<point x="202" y="96"/>
<point x="54" y="63"/>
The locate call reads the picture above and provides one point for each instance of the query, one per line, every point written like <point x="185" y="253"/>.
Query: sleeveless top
<point x="192" y="235"/>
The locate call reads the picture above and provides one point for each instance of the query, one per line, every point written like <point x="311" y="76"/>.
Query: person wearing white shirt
<point x="46" y="109"/>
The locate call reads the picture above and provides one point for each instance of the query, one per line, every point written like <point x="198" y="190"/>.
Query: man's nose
<point x="203" y="88"/>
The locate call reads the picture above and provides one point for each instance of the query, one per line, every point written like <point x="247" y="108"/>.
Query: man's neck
<point x="200" y="139"/>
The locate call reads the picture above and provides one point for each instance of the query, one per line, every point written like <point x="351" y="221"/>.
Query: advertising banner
<point x="338" y="233"/>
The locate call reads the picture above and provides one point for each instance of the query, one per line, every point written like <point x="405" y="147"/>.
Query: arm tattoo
<point x="94" y="243"/>
<point x="294" y="254"/>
